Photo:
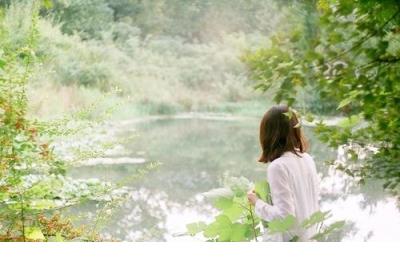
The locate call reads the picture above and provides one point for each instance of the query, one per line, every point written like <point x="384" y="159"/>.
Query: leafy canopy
<point x="348" y="54"/>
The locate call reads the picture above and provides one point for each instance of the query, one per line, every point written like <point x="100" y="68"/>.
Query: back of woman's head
<point x="280" y="132"/>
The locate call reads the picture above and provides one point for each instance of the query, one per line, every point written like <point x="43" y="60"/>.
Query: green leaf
<point x="262" y="191"/>
<point x="315" y="218"/>
<point x="334" y="226"/>
<point x="344" y="102"/>
<point x="282" y="225"/>
<point x="350" y="98"/>
<point x="288" y="114"/>
<point x="34" y="233"/>
<point x="239" y="232"/>
<point x="234" y="212"/>
<point x="223" y="203"/>
<point x="194" y="228"/>
<point x="47" y="4"/>
<point x="221" y="228"/>
<point x="331" y="228"/>
<point x="2" y="63"/>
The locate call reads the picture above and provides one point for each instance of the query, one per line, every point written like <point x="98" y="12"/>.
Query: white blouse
<point x="294" y="185"/>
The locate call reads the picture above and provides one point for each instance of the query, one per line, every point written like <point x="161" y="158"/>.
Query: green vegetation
<point x="34" y="188"/>
<point x="68" y="65"/>
<point x="237" y="221"/>
<point x="347" y="54"/>
<point x="94" y="56"/>
<point x="160" y="57"/>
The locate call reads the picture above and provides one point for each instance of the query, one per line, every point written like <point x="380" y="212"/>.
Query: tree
<point x="201" y="20"/>
<point x="352" y="60"/>
<point x="88" y="18"/>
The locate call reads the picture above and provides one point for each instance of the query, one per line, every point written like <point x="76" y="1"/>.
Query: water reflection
<point x="373" y="213"/>
<point x="196" y="154"/>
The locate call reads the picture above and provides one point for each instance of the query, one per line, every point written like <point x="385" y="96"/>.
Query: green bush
<point x="160" y="70"/>
<point x="33" y="183"/>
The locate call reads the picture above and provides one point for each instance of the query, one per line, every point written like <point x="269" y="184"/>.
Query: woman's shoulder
<point x="285" y="163"/>
<point x="277" y="170"/>
<point x="298" y="154"/>
<point x="277" y="164"/>
<point x="308" y="157"/>
<point x="288" y="157"/>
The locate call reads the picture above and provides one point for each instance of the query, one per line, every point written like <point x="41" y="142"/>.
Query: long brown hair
<point x="280" y="131"/>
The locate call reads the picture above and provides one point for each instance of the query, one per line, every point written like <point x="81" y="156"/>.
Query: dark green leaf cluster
<point x="350" y="60"/>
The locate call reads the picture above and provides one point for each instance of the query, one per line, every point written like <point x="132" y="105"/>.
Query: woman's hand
<point x="252" y="196"/>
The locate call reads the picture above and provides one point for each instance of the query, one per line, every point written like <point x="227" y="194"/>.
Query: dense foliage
<point x="163" y="56"/>
<point x="86" y="52"/>
<point x="199" y="20"/>
<point x="33" y="183"/>
<point x="237" y="221"/>
<point x="348" y="53"/>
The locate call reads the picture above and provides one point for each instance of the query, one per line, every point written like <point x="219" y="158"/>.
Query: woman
<point x="291" y="174"/>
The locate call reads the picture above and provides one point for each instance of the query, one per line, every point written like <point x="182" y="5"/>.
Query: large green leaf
<point x="232" y="208"/>
<point x="282" y="225"/>
<point x="239" y="232"/>
<point x="221" y="228"/>
<point x="234" y="212"/>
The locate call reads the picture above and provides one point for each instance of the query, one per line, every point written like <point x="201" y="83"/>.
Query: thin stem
<point x="253" y="223"/>
<point x="244" y="207"/>
<point x="22" y="216"/>
<point x="98" y="218"/>
<point x="320" y="227"/>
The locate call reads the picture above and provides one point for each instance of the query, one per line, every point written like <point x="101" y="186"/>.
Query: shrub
<point x="33" y="182"/>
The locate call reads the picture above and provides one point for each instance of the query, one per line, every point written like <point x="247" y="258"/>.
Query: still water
<point x="196" y="153"/>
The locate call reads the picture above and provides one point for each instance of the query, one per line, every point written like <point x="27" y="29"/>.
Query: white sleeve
<point x="282" y="197"/>
<point x="316" y="177"/>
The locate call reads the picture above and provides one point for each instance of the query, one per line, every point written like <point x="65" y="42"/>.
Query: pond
<point x="197" y="152"/>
